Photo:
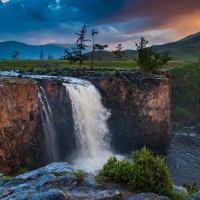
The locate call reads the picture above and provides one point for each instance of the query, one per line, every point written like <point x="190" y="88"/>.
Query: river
<point x="183" y="155"/>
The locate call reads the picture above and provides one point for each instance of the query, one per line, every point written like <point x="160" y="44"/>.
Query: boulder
<point x="149" y="196"/>
<point x="55" y="181"/>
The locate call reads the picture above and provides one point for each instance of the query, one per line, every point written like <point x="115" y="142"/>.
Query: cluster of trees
<point x="42" y="56"/>
<point x="77" y="52"/>
<point x="148" y="59"/>
<point x="186" y="92"/>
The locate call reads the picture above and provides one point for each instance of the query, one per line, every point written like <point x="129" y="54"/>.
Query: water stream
<point x="183" y="154"/>
<point x="90" y="125"/>
<point x="49" y="129"/>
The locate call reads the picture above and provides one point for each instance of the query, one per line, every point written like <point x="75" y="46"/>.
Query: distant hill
<point x="32" y="51"/>
<point x="108" y="55"/>
<point x="190" y="36"/>
<point x="67" y="45"/>
<point x="185" y="49"/>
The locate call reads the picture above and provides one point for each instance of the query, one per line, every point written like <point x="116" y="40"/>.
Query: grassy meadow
<point x="26" y="65"/>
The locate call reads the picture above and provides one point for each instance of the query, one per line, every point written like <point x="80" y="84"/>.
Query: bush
<point x="149" y="173"/>
<point x="6" y="178"/>
<point x="115" y="170"/>
<point x="180" y="113"/>
<point x="145" y="173"/>
<point x="185" y="92"/>
<point x="191" y="188"/>
<point x="21" y="170"/>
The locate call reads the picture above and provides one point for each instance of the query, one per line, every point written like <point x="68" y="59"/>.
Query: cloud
<point x="119" y="21"/>
<point x="157" y="15"/>
<point x="4" y="1"/>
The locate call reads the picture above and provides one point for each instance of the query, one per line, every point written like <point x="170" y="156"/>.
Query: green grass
<point x="25" y="65"/>
<point x="6" y="178"/>
<point x="79" y="174"/>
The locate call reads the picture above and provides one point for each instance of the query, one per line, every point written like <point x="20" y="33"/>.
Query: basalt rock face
<point x="140" y="110"/>
<point x="18" y="120"/>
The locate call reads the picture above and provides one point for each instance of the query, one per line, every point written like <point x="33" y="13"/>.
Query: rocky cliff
<point x="18" y="119"/>
<point x="140" y="110"/>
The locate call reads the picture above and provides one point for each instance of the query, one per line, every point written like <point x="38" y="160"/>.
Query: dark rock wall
<point x="140" y="112"/>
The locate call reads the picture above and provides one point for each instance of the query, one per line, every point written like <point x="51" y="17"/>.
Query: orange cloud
<point x="183" y="16"/>
<point x="187" y="24"/>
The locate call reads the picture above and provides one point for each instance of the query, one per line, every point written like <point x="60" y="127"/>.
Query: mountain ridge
<point x="27" y="51"/>
<point x="187" y="49"/>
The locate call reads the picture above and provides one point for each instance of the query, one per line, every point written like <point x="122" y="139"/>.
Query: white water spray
<point x="92" y="134"/>
<point x="49" y="129"/>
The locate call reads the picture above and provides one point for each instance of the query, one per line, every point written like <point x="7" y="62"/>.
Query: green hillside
<point x="189" y="53"/>
<point x="185" y="49"/>
<point x="108" y="55"/>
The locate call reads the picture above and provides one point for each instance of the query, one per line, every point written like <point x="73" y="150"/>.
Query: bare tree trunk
<point x="92" y="59"/>
<point x="80" y="63"/>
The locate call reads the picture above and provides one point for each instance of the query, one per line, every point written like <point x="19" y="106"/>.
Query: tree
<point x="118" y="52"/>
<point x="41" y="55"/>
<point x="96" y="46"/>
<point x="50" y="57"/>
<point x="15" y="54"/>
<point x="185" y="92"/>
<point x="76" y="54"/>
<point x="148" y="59"/>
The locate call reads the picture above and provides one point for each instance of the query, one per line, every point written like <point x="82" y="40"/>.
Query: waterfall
<point x="48" y="124"/>
<point x="92" y="133"/>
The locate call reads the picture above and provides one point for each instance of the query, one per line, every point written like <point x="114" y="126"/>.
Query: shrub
<point x="6" y="178"/>
<point x="172" y="195"/>
<point x="180" y="114"/>
<point x="145" y="173"/>
<point x="191" y="188"/>
<point x="115" y="170"/>
<point x="79" y="174"/>
<point x="149" y="173"/>
<point x="21" y="170"/>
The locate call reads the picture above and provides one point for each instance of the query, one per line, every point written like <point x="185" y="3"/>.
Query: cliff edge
<point x="18" y="119"/>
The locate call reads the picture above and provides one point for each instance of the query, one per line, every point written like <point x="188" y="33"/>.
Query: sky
<point x="117" y="21"/>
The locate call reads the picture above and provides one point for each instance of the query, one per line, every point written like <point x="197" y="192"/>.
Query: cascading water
<point x="47" y="121"/>
<point x="89" y="116"/>
<point x="92" y="134"/>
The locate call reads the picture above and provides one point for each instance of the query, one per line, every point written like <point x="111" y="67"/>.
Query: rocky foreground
<point x="58" y="181"/>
